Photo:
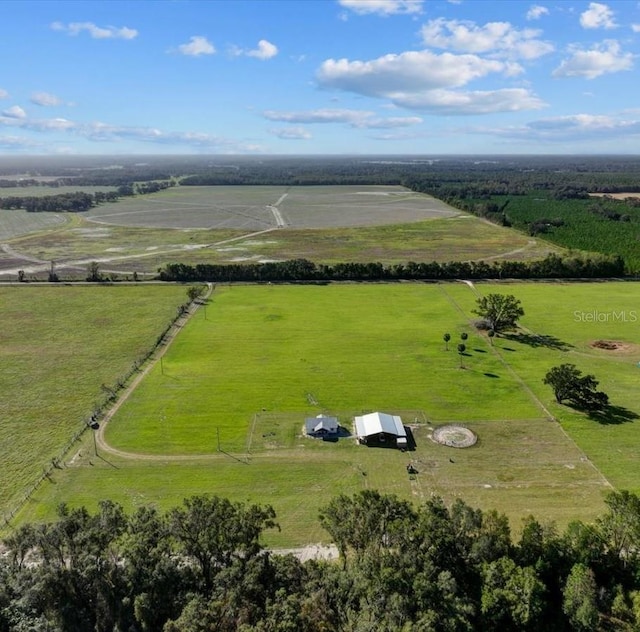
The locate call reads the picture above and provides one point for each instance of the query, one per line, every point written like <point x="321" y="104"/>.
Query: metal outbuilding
<point x="381" y="428"/>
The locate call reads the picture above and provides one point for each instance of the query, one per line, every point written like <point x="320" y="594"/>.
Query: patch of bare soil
<point x="615" y="345"/>
<point x="454" y="436"/>
<point x="617" y="196"/>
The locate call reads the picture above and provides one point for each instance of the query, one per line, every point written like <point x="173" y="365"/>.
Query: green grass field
<point x="58" y="346"/>
<point x="224" y="411"/>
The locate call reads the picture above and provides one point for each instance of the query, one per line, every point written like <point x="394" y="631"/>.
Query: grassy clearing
<point x="460" y="238"/>
<point x="573" y="316"/>
<point x="298" y="351"/>
<point x="59" y="345"/>
<point x="521" y="467"/>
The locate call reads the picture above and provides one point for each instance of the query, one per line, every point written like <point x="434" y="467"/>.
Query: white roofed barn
<point x="381" y="429"/>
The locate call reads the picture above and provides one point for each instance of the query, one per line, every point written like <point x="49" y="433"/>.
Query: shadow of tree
<point x="613" y="415"/>
<point x="538" y="340"/>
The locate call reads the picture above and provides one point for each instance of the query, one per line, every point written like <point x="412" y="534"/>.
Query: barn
<point x="321" y="426"/>
<point x="381" y="429"/>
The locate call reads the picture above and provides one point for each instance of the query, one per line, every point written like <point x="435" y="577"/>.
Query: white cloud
<point x="451" y="102"/>
<point x="412" y="71"/>
<point x="45" y="99"/>
<point x="603" y="58"/>
<point x="96" y="32"/>
<point x="265" y="50"/>
<point x="3" y="94"/>
<point x="572" y="128"/>
<point x="291" y="133"/>
<point x="395" y="136"/>
<point x="597" y="16"/>
<point x="15" y="142"/>
<point x="198" y="45"/>
<point x="14" y="112"/>
<point x="635" y="28"/>
<point x="424" y="81"/>
<point x="499" y="37"/>
<point x="319" y="116"/>
<point x="536" y="11"/>
<point x="104" y="132"/>
<point x="382" y="7"/>
<point x="353" y="118"/>
<point x="392" y="122"/>
<point x="580" y="129"/>
<point x="9" y="119"/>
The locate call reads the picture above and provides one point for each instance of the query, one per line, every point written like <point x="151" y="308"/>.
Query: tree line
<point x="402" y="568"/>
<point x="303" y="270"/>
<point x="78" y="201"/>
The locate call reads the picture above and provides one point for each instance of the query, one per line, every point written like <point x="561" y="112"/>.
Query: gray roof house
<point x="321" y="425"/>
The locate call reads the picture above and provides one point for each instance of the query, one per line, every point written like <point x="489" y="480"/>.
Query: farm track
<point x="7" y="249"/>
<point x="101" y="442"/>
<point x="43" y="266"/>
<point x="99" y="434"/>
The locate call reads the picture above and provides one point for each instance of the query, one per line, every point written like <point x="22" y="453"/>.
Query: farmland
<point x="223" y="412"/>
<point x="60" y="346"/>
<point x="229" y="224"/>
<point x="603" y="225"/>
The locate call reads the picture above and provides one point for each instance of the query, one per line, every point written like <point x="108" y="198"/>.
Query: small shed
<point x="381" y="428"/>
<point x="321" y="426"/>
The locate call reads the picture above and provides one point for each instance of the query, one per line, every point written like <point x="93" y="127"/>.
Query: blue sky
<point x="319" y="77"/>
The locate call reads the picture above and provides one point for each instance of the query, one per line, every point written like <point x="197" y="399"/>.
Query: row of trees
<point x="402" y="568"/>
<point x="78" y="201"/>
<point x="552" y="266"/>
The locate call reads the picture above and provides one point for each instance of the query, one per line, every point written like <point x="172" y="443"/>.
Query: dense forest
<point x="402" y="568"/>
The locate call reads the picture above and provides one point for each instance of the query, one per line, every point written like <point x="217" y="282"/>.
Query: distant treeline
<point x="441" y="176"/>
<point x="302" y="270"/>
<point x="78" y="201"/>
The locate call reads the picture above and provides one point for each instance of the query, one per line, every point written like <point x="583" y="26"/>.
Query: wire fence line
<point x="112" y="393"/>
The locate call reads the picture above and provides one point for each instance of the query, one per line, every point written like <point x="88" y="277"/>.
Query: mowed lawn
<point x="224" y="411"/>
<point x="59" y="345"/>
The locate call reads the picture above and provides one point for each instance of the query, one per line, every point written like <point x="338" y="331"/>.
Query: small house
<point x="321" y="426"/>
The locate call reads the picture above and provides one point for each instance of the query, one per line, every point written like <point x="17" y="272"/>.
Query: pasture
<point x="223" y="412"/>
<point x="60" y="347"/>
<point x="254" y="223"/>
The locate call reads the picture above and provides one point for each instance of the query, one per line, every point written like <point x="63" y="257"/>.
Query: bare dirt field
<point x="229" y="224"/>
<point x="262" y="207"/>
<point x="616" y="196"/>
